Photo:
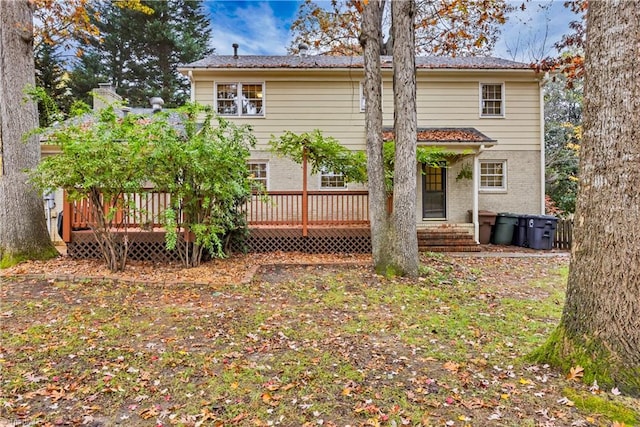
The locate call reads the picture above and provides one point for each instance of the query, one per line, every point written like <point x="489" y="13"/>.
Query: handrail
<point x="272" y="208"/>
<point x="324" y="207"/>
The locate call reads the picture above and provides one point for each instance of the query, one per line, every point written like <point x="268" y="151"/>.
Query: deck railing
<point x="144" y="210"/>
<point x="274" y="208"/>
<point x="323" y="208"/>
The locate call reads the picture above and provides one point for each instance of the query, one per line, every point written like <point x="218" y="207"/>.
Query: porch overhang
<point x="458" y="142"/>
<point x="455" y="139"/>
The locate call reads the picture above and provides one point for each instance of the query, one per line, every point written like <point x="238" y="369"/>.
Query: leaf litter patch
<point x="319" y="343"/>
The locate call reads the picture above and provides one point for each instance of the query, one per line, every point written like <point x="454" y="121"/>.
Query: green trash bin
<point x="503" y="230"/>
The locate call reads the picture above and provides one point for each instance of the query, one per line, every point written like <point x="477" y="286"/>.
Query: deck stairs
<point x="446" y="238"/>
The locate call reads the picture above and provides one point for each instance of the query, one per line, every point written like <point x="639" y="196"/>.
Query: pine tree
<point x="103" y="57"/>
<point x="51" y="76"/>
<point x="86" y="76"/>
<point x="139" y="53"/>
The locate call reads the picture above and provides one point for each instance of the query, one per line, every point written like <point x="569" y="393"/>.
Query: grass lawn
<point x="297" y="344"/>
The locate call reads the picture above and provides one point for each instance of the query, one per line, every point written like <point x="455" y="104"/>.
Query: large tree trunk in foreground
<point x="23" y="230"/>
<point x="370" y="40"/>
<point x="600" y="326"/>
<point x="404" y="240"/>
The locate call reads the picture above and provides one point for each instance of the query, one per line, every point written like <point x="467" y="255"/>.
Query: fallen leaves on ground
<point x="283" y="339"/>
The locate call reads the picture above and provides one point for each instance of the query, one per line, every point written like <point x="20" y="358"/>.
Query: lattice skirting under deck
<point x="329" y="240"/>
<point x="143" y="246"/>
<point x="348" y="240"/>
<point x="150" y="246"/>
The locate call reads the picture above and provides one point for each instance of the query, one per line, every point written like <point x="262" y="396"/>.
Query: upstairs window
<point x="492" y="100"/>
<point x="330" y="180"/>
<point x="240" y="99"/>
<point x="493" y="175"/>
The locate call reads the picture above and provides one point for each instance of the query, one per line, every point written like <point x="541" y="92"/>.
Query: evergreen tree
<point x="139" y="53"/>
<point x="86" y="75"/>
<point x="51" y="77"/>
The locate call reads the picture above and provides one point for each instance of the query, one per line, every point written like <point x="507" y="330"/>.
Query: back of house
<point x="486" y="113"/>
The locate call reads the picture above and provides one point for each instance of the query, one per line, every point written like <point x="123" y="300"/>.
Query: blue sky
<point x="262" y="27"/>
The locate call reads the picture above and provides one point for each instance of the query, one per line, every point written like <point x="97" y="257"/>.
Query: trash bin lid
<point x="543" y="217"/>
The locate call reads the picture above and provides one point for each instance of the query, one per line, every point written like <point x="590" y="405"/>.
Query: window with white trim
<point x="493" y="175"/>
<point x="258" y="171"/>
<point x="239" y="99"/>
<point x="491" y="99"/>
<point x="331" y="180"/>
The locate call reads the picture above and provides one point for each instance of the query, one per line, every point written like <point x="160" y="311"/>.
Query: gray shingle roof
<point x="328" y="62"/>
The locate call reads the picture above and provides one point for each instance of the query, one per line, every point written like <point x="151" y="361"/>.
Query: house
<point x="488" y="111"/>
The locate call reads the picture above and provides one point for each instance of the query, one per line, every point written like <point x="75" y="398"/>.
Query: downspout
<point x="542" y="150"/>
<point x="476" y="191"/>
<point x="193" y="87"/>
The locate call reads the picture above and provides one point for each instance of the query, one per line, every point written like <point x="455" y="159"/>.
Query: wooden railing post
<point x="67" y="217"/>
<point x="305" y="196"/>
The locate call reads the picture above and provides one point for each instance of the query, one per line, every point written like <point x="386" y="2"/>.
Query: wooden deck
<point x="312" y="221"/>
<point x="290" y="221"/>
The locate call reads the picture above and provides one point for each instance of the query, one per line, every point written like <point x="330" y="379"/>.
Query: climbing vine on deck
<point x="323" y="153"/>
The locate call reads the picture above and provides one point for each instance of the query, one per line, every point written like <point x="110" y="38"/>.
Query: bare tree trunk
<point x="370" y="40"/>
<point x="23" y="229"/>
<point x="600" y="326"/>
<point x="114" y="249"/>
<point x="404" y="240"/>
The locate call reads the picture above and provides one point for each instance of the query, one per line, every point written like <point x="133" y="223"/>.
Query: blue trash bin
<point x="541" y="231"/>
<point x="520" y="233"/>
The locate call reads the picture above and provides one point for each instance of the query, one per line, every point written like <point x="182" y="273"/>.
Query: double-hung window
<point x="239" y="99"/>
<point x="493" y="175"/>
<point x="330" y="180"/>
<point x="258" y="172"/>
<point x="491" y="100"/>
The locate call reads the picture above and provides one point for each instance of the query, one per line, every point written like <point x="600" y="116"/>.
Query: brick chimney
<point x="104" y="95"/>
